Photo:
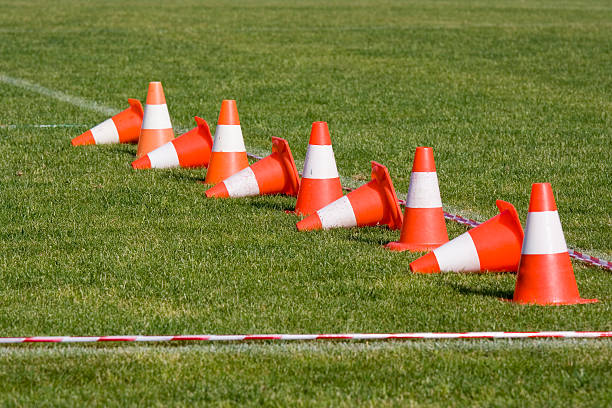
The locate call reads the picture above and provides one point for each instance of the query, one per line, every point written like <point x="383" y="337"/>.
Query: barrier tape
<point x="301" y="337"/>
<point x="591" y="260"/>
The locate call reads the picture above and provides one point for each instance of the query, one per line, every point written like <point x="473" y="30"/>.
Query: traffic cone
<point x="320" y="181"/>
<point x="228" y="152"/>
<point x="545" y="275"/>
<point x="372" y="204"/>
<point x="191" y="149"/>
<point x="156" y="126"/>
<point x="494" y="245"/>
<point x="124" y="127"/>
<point x="424" y="227"/>
<point x="275" y="174"/>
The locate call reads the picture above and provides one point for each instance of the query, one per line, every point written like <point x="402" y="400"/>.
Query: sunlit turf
<point x="508" y="94"/>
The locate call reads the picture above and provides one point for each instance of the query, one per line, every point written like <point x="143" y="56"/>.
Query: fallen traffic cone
<point x="191" y="149"/>
<point x="228" y="152"/>
<point x="372" y="204"/>
<point x="320" y="181"/>
<point x="494" y="245"/>
<point x="424" y="227"/>
<point x="545" y="275"/>
<point x="124" y="127"/>
<point x="156" y="126"/>
<point x="275" y="174"/>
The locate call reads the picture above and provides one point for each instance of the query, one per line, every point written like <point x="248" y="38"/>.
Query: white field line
<point x="60" y="96"/>
<point x="48" y="126"/>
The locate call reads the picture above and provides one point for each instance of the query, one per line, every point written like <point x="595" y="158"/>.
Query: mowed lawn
<point x="507" y="93"/>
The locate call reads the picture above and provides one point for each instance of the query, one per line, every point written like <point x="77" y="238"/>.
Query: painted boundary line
<point x="85" y="104"/>
<point x="74" y="100"/>
<point x="58" y="125"/>
<point x="303" y="337"/>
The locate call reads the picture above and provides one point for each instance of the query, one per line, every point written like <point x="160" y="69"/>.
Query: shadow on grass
<point x="491" y="292"/>
<point x="379" y="241"/>
<point x="268" y="205"/>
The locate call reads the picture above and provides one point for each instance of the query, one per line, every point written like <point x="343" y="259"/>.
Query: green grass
<point x="507" y="93"/>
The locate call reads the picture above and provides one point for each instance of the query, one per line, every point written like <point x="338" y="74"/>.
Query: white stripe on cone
<point x="458" y="255"/>
<point x="228" y="138"/>
<point x="338" y="214"/>
<point x="320" y="163"/>
<point x="164" y="157"/>
<point x="423" y="191"/>
<point x="242" y="184"/>
<point x="543" y="234"/>
<point x="156" y="117"/>
<point x="105" y="133"/>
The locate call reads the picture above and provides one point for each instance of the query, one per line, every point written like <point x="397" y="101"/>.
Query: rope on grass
<point x="589" y="259"/>
<point x="572" y="253"/>
<point x="303" y="337"/>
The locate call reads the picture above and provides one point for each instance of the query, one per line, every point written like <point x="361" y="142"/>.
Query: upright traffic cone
<point x="494" y="245"/>
<point x="424" y="227"/>
<point x="191" y="149"/>
<point x="156" y="126"/>
<point x="275" y="174"/>
<point x="545" y="275"/>
<point x="124" y="127"/>
<point x="320" y="180"/>
<point x="374" y="203"/>
<point x="228" y="152"/>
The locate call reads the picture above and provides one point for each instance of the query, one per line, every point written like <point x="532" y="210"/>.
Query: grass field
<point x="508" y="93"/>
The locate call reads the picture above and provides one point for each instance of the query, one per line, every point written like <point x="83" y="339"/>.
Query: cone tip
<point x="156" y="96"/>
<point x="217" y="191"/>
<point x="85" y="138"/>
<point x="426" y="264"/>
<point x="424" y="160"/>
<point x="542" y="198"/>
<point x="142" y="163"/>
<point x="312" y="222"/>
<point x="229" y="113"/>
<point x="319" y="134"/>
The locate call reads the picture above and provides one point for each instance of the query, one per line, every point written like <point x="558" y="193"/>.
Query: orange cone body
<point x="191" y="149"/>
<point x="374" y="203"/>
<point x="124" y="127"/>
<point x="545" y="275"/>
<point x="494" y="245"/>
<point x="275" y="174"/>
<point x="228" y="152"/>
<point x="320" y="180"/>
<point x="424" y="227"/>
<point x="156" y="126"/>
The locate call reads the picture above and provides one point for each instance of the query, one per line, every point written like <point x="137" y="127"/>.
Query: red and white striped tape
<point x="294" y="337"/>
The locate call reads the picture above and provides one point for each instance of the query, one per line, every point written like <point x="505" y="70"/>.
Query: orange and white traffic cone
<point x="156" y="126"/>
<point x="494" y="245"/>
<point x="424" y="227"/>
<point x="320" y="180"/>
<point x="191" y="149"/>
<point x="228" y="152"/>
<point x="545" y="275"/>
<point x="124" y="127"/>
<point x="374" y="203"/>
<point x="275" y="174"/>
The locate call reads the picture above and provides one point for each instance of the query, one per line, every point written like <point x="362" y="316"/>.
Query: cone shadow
<point x="489" y="292"/>
<point x="258" y="202"/>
